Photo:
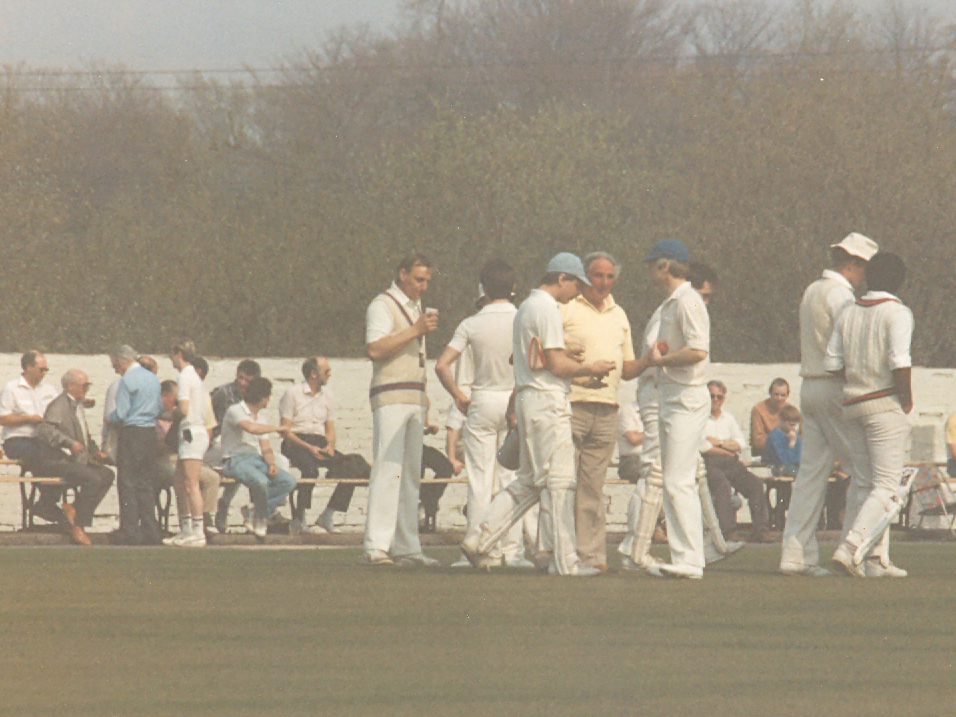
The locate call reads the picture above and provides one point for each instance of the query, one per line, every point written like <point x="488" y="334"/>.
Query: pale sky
<point x="198" y="34"/>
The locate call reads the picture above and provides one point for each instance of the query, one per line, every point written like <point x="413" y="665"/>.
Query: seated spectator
<point x="782" y="449"/>
<point x="307" y="412"/>
<point x="630" y="438"/>
<point x="22" y="404"/>
<point x="723" y="442"/>
<point x="73" y="455"/>
<point x="951" y="446"/>
<point x="765" y="416"/>
<point x="166" y="453"/>
<point x="249" y="457"/>
<point x="224" y="396"/>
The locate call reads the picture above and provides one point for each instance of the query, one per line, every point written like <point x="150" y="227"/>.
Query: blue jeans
<point x="267" y="492"/>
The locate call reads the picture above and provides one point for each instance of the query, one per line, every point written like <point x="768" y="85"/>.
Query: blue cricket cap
<point x="568" y="263"/>
<point x="668" y="249"/>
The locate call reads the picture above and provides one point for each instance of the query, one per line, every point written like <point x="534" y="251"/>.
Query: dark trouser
<point x="339" y="466"/>
<point x="29" y="451"/>
<point x="430" y="493"/>
<point x="836" y="503"/>
<point x="726" y="474"/>
<point x="137" y="496"/>
<point x="91" y="483"/>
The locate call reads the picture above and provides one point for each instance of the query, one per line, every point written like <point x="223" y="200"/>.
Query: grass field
<point x="131" y="632"/>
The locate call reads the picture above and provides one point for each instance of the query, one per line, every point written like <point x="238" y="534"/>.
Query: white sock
<point x="198" y="526"/>
<point x="185" y="524"/>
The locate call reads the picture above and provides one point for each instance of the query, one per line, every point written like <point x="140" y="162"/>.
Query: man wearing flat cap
<point x="825" y="432"/>
<point x="681" y="356"/>
<point x="546" y="472"/>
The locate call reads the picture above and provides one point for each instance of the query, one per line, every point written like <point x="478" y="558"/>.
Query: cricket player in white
<point x="871" y="347"/>
<point x="486" y="338"/>
<point x="824" y="431"/>
<point x="546" y="471"/>
<point x="646" y="501"/>
<point x="681" y="352"/>
<point x="395" y="334"/>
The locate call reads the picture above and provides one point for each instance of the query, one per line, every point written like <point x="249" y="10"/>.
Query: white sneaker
<point x="193" y="540"/>
<point x="628" y="564"/>
<point x="462" y="562"/>
<point x="260" y="528"/>
<point x="669" y="570"/>
<point x="520" y="564"/>
<point x="843" y="559"/>
<point x="415" y="561"/>
<point x="578" y="571"/>
<point x="248" y="513"/>
<point x="174" y="540"/>
<point x="810" y="571"/>
<point x="326" y="521"/>
<point x="874" y="568"/>
<point x="469" y="546"/>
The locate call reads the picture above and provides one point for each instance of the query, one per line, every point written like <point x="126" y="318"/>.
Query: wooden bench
<point x="29" y="489"/>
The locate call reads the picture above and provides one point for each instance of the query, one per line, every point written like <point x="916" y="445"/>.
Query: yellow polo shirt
<point x="606" y="335"/>
<point x="951" y="430"/>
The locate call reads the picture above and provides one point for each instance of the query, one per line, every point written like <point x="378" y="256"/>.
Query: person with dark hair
<point x="870" y="348"/>
<point x="599" y="328"/>
<point x="543" y="370"/>
<point x="138" y="405"/>
<point x="224" y="396"/>
<point x="307" y="412"/>
<point x="703" y="278"/>
<point x="249" y="457"/>
<point x="723" y="442"/>
<point x="783" y="447"/>
<point x="825" y="432"/>
<point x="23" y="402"/>
<point x="73" y="455"/>
<point x="483" y="341"/>
<point x="193" y="443"/>
<point x="765" y="416"/>
<point x="395" y="331"/>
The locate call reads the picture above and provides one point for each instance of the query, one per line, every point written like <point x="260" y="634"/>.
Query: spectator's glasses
<point x="716" y="397"/>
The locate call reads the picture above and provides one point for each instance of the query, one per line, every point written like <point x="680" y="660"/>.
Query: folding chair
<point x="934" y="498"/>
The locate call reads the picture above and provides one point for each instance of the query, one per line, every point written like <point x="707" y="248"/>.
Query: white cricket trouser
<point x="485" y="429"/>
<point x="392" y="522"/>
<point x="825" y="436"/>
<point x="683" y="415"/>
<point x="647" y="495"/>
<point x="546" y="474"/>
<point x="878" y="451"/>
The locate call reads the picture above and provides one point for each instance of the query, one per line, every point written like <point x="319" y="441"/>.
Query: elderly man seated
<point x="723" y="442"/>
<point x="71" y="454"/>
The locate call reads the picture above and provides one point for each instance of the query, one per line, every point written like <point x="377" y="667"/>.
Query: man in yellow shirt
<point x="596" y="328"/>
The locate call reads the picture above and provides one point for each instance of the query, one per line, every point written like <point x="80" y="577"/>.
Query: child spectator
<point x="782" y="449"/>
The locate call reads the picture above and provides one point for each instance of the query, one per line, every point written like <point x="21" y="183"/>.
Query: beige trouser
<point x="594" y="428"/>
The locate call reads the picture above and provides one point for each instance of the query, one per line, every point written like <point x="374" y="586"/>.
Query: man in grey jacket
<point x="73" y="455"/>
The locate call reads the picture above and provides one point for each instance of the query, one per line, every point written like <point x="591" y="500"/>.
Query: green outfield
<point x="131" y="632"/>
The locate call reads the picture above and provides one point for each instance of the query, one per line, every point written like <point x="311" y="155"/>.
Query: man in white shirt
<point x="723" y="442"/>
<point x="870" y="347"/>
<point x="22" y="405"/>
<point x="546" y="473"/>
<point x="249" y="457"/>
<point x="395" y="331"/>
<point x="486" y="338"/>
<point x="824" y="432"/>
<point x="307" y="411"/>
<point x="681" y="356"/>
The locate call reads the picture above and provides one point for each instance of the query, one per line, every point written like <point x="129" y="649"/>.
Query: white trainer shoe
<point x="810" y="571"/>
<point x="248" y="513"/>
<point x="578" y="571"/>
<point x="174" y="540"/>
<point x="874" y="568"/>
<point x="260" y="528"/>
<point x="669" y="570"/>
<point x="462" y="562"/>
<point x="376" y="557"/>
<point x="416" y="561"/>
<point x="520" y="564"/>
<point x="843" y="559"/>
<point x="193" y="540"/>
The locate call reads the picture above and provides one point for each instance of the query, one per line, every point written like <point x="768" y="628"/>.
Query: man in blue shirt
<point x="138" y="404"/>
